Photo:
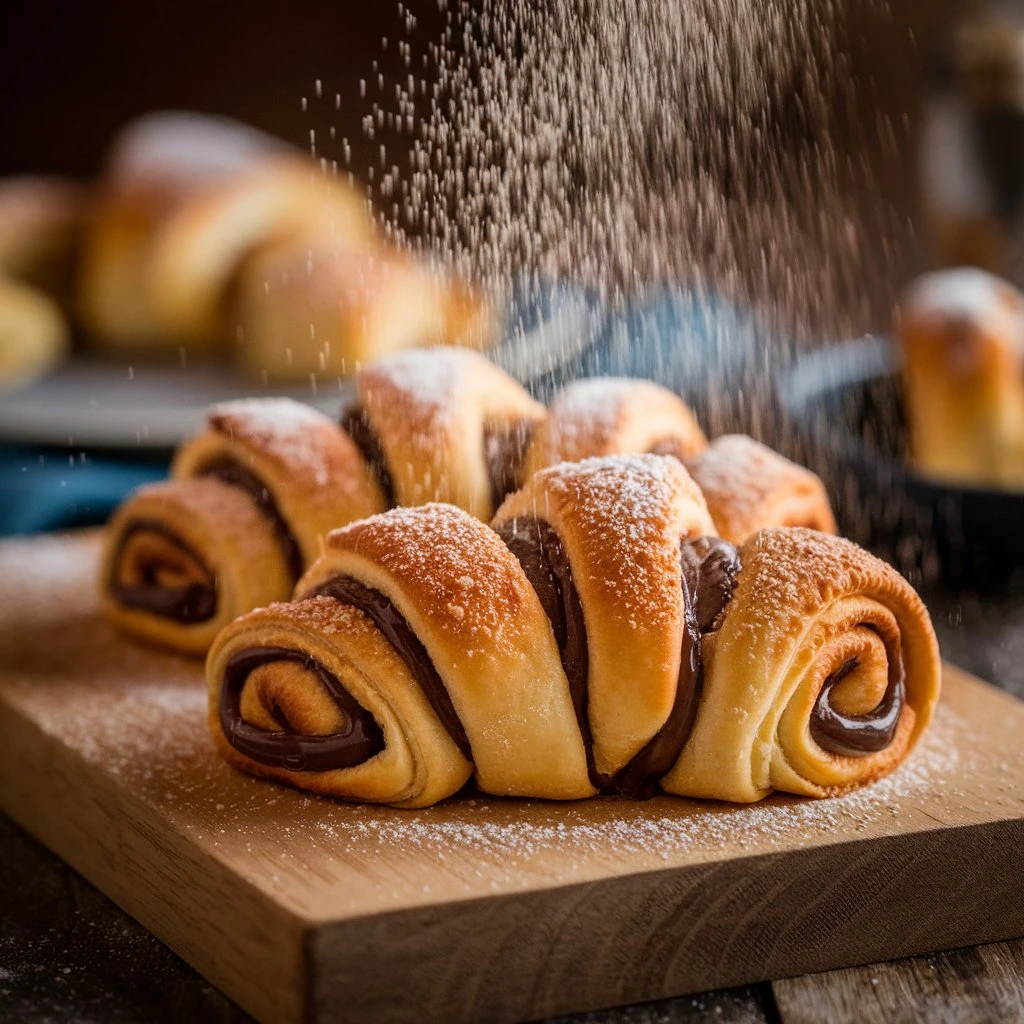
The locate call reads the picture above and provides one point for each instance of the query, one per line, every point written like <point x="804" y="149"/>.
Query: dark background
<point x="74" y="72"/>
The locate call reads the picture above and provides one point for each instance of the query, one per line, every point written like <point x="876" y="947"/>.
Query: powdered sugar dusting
<point x="472" y="583"/>
<point x="137" y="717"/>
<point x="285" y="430"/>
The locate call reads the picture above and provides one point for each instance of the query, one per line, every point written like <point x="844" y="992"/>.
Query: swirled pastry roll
<point x="614" y="416"/>
<point x="250" y="502"/>
<point x="820" y="673"/>
<point x="748" y="487"/>
<point x="442" y="424"/>
<point x="597" y="639"/>
<point x="418" y="629"/>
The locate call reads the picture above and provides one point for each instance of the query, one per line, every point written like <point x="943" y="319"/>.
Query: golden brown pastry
<point x="443" y="424"/>
<point x="40" y="223"/>
<point x="595" y="640"/>
<point x="34" y="335"/>
<point x="820" y="673"/>
<point x="748" y="487"/>
<point x="962" y="338"/>
<point x="324" y="310"/>
<point x="185" y="201"/>
<point x="614" y="416"/>
<point x="247" y="508"/>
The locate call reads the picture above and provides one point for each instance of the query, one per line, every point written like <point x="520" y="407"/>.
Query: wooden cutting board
<point x="479" y="909"/>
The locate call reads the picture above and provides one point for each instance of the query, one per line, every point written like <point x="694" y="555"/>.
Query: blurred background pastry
<point x="962" y="339"/>
<point x="324" y="307"/>
<point x="185" y="200"/>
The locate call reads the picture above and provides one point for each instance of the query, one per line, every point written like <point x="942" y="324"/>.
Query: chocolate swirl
<point x="356" y="423"/>
<point x="234" y="474"/>
<point x="710" y="567"/>
<point x="192" y="602"/>
<point x="859" y="735"/>
<point x="540" y="552"/>
<point x="504" y="452"/>
<point x="390" y="621"/>
<point x="359" y="740"/>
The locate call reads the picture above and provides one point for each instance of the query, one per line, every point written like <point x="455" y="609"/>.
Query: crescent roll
<point x="247" y="508"/>
<point x="326" y="310"/>
<point x="185" y="201"/>
<point x="962" y="337"/>
<point x="443" y="424"/>
<point x="597" y="639"/>
<point x="748" y="487"/>
<point x="614" y="416"/>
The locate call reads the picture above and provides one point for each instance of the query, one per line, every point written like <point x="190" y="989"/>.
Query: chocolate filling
<point x="859" y="735"/>
<point x="709" y="574"/>
<point x="540" y="552"/>
<point x="234" y="474"/>
<point x="196" y="602"/>
<point x="710" y="567"/>
<point x="389" y="620"/>
<point x="356" y="423"/>
<point x="360" y="740"/>
<point x="505" y="452"/>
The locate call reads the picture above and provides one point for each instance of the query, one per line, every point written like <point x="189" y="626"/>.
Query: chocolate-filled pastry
<point x="443" y="424"/>
<point x="596" y="640"/>
<point x="614" y="416"/>
<point x="184" y="201"/>
<point x="423" y="620"/>
<point x="247" y="508"/>
<point x="748" y="487"/>
<point x="819" y="677"/>
<point x="962" y="337"/>
<point x="600" y="540"/>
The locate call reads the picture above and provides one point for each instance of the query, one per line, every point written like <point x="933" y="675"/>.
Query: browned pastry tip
<point x="748" y="487"/>
<point x="450" y="426"/>
<point x="614" y="416"/>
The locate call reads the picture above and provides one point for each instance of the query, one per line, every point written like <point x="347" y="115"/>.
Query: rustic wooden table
<point x="67" y="953"/>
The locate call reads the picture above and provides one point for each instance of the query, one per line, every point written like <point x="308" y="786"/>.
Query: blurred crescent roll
<point x="186" y="200"/>
<point x="40" y="223"/>
<point x="962" y="339"/>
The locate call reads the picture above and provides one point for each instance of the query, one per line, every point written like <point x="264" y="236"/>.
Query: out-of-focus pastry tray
<point x="479" y="909"/>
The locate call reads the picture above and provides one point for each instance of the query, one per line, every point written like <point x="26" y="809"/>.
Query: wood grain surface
<point x="300" y="908"/>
